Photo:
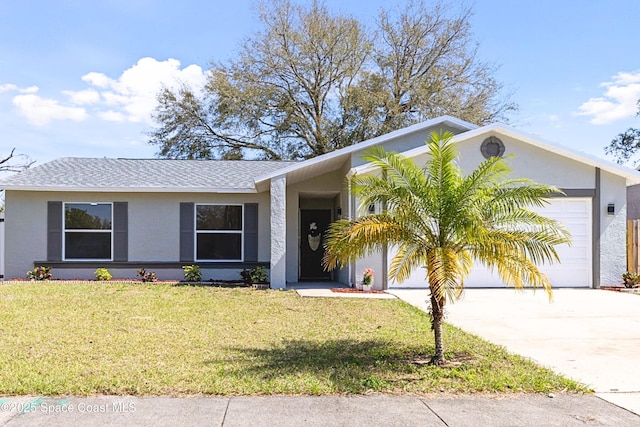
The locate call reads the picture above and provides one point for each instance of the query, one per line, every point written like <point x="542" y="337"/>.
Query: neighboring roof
<point x="331" y="161"/>
<point x="632" y="176"/>
<point x="143" y="175"/>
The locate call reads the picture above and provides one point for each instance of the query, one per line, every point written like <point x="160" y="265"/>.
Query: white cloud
<point x="30" y="89"/>
<point x="83" y="97"/>
<point x="112" y="98"/>
<point x="7" y="87"/>
<point x="112" y="116"/>
<point x="129" y="98"/>
<point x="97" y="79"/>
<point x="619" y="100"/>
<point x="40" y="111"/>
<point x="133" y="94"/>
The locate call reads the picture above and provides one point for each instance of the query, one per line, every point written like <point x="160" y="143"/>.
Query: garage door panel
<point x="575" y="206"/>
<point x="575" y="269"/>
<point x="418" y="276"/>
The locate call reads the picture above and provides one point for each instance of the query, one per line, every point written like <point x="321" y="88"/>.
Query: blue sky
<point x="78" y="78"/>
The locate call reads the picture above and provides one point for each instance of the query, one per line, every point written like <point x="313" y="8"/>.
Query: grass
<point x="159" y="339"/>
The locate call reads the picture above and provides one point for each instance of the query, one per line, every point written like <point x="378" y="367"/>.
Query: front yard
<point x="159" y="339"/>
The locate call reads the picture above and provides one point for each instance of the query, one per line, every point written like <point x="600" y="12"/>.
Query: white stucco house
<point x="78" y="214"/>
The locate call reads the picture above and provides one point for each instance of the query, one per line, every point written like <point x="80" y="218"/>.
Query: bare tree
<point x="426" y="66"/>
<point x="15" y="162"/>
<point x="309" y="82"/>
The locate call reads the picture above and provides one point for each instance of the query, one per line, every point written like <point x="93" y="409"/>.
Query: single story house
<point x="78" y="214"/>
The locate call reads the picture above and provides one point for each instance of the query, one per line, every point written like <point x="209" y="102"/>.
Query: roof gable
<point x="498" y="129"/>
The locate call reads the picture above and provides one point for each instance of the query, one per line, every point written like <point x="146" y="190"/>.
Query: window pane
<point x="219" y="246"/>
<point x="219" y="217"/>
<point x="85" y="216"/>
<point x="80" y="245"/>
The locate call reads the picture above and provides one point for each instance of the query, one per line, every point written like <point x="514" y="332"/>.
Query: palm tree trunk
<point x="437" y="314"/>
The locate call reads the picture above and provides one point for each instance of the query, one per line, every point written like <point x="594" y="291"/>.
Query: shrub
<point x="367" y="277"/>
<point x="255" y="275"/>
<point x="40" y="273"/>
<point x="147" y="276"/>
<point x="192" y="273"/>
<point x="102" y="274"/>
<point x="631" y="280"/>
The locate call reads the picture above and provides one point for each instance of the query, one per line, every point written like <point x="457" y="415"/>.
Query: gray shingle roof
<point x="143" y="174"/>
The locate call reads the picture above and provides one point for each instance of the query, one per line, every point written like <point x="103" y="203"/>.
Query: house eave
<point x="131" y="189"/>
<point x="346" y="151"/>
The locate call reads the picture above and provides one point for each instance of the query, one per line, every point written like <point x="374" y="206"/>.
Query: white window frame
<point x="77" y="230"/>
<point x="196" y="232"/>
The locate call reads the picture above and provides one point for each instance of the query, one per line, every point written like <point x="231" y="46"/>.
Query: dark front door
<point x="313" y="225"/>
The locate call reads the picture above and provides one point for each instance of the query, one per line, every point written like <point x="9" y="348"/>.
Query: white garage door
<point x="575" y="267"/>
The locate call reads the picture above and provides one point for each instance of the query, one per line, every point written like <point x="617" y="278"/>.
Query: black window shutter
<point x="251" y="232"/>
<point x="54" y="231"/>
<point x="120" y="231"/>
<point x="186" y="232"/>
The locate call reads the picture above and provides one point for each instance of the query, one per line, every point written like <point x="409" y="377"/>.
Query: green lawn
<point x="60" y="338"/>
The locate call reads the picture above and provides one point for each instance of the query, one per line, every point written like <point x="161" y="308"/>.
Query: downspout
<point x="385" y="250"/>
<point x="596" y="231"/>
<point x="351" y="211"/>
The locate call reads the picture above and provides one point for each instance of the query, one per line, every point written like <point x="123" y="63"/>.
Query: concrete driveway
<point x="592" y="336"/>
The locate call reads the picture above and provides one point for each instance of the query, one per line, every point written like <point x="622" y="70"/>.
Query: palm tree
<point x="439" y="218"/>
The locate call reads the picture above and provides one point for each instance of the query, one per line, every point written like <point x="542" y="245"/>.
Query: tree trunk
<point x="437" y="314"/>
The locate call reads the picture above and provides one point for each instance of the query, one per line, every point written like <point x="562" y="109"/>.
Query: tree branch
<point x="8" y="164"/>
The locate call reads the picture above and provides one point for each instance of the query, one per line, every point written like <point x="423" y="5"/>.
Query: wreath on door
<point x="314" y="237"/>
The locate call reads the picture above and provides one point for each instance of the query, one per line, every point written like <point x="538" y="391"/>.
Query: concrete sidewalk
<point x="376" y="410"/>
<point x="590" y="335"/>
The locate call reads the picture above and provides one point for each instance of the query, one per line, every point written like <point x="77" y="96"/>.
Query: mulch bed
<point x="355" y="291"/>
<point x="129" y="281"/>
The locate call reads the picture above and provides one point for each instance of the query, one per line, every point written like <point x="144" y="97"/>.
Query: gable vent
<point x="492" y="147"/>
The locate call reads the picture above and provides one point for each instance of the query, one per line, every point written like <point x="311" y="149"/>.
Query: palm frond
<point x="347" y="241"/>
<point x="438" y="217"/>
<point x="522" y="193"/>
<point x="408" y="257"/>
<point x="520" y="271"/>
<point x="399" y="170"/>
<point x="446" y="271"/>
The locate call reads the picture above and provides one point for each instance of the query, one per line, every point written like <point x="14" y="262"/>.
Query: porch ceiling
<point x="317" y="169"/>
<point x="318" y="194"/>
<point x="310" y="171"/>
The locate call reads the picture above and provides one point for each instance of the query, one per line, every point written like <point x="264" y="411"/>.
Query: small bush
<point x="147" y="276"/>
<point x="40" y="273"/>
<point x="192" y="273"/>
<point x="631" y="280"/>
<point x="255" y="275"/>
<point x="102" y="274"/>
